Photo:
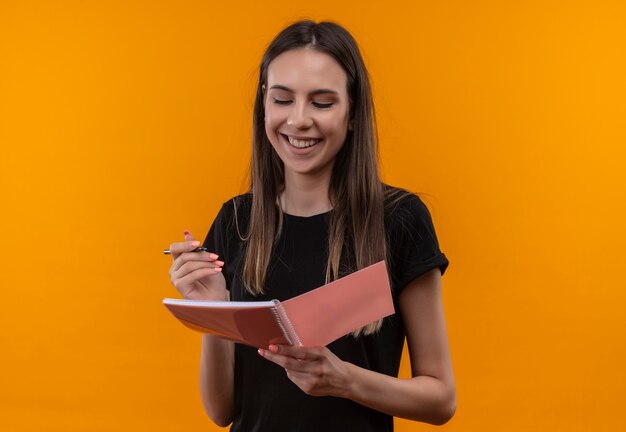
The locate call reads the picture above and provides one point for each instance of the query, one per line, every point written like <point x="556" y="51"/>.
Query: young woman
<point x="316" y="211"/>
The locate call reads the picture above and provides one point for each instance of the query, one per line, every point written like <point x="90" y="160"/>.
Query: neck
<point x="305" y="195"/>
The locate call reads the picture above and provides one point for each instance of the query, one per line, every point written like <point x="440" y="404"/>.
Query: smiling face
<point x="306" y="111"/>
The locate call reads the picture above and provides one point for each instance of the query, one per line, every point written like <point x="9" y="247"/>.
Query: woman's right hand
<point x="197" y="275"/>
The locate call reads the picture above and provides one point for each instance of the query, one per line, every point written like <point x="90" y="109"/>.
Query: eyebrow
<point x="314" y="92"/>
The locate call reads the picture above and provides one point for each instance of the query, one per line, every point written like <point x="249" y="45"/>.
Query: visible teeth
<point x="302" y="144"/>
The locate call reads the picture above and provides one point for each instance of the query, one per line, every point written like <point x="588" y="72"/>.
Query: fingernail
<point x="273" y="348"/>
<point x="186" y="232"/>
<point x="261" y="352"/>
<point x="217" y="269"/>
<point x="195" y="243"/>
<point x="213" y="256"/>
<point x="219" y="263"/>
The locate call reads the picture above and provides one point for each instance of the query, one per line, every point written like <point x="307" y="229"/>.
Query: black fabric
<point x="265" y="399"/>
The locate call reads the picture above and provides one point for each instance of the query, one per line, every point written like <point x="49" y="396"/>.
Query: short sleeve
<point x="413" y="244"/>
<point x="215" y="240"/>
<point x="225" y="237"/>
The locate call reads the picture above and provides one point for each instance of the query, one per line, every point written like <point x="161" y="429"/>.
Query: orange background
<point x="124" y="122"/>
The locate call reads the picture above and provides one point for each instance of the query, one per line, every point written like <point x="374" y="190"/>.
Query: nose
<point x="299" y="116"/>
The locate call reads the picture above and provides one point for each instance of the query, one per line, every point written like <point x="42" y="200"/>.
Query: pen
<point x="198" y="249"/>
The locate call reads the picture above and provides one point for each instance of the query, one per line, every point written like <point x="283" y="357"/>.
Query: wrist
<point x="214" y="296"/>
<point x="350" y="382"/>
<point x="218" y="297"/>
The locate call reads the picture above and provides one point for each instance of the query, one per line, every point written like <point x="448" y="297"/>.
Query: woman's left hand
<point x="317" y="371"/>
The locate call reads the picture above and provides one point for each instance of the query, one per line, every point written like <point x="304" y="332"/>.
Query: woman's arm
<point x="216" y="379"/>
<point x="198" y="275"/>
<point x="429" y="396"/>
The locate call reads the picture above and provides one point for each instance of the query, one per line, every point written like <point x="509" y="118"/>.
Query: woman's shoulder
<point x="399" y="200"/>
<point x="405" y="212"/>
<point x="235" y="212"/>
<point x="413" y="245"/>
<point x="241" y="199"/>
<point x="234" y="204"/>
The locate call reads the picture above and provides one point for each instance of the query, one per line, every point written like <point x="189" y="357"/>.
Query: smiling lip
<point x="302" y="142"/>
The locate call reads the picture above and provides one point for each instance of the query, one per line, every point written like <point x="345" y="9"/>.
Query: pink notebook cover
<point x="250" y="323"/>
<point x="315" y="318"/>
<point x="335" y="309"/>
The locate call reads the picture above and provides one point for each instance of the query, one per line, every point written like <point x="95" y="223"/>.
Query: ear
<point x="263" y="92"/>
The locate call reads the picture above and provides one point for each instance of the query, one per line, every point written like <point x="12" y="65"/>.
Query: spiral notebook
<point x="315" y="318"/>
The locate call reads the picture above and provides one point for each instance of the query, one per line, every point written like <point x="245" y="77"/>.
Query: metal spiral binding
<point x="285" y="324"/>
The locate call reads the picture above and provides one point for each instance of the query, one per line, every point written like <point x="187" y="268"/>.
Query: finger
<point x="189" y="266"/>
<point x="280" y="360"/>
<point x="180" y="247"/>
<point x="298" y="352"/>
<point x="286" y="362"/>
<point x="186" y="257"/>
<point x="195" y="276"/>
<point x="188" y="236"/>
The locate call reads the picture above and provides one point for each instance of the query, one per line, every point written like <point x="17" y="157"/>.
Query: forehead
<point x="305" y="70"/>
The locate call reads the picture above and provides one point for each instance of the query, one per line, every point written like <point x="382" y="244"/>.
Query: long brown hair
<point x="356" y="228"/>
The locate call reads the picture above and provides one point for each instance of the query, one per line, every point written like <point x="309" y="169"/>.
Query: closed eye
<point x="322" y="105"/>
<point x="281" y="102"/>
<point x="315" y="104"/>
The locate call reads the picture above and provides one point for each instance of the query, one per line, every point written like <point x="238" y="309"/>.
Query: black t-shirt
<point x="265" y="399"/>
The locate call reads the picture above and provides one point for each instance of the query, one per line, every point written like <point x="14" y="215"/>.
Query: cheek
<point x="272" y="119"/>
<point x="269" y="122"/>
<point x="336" y="126"/>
